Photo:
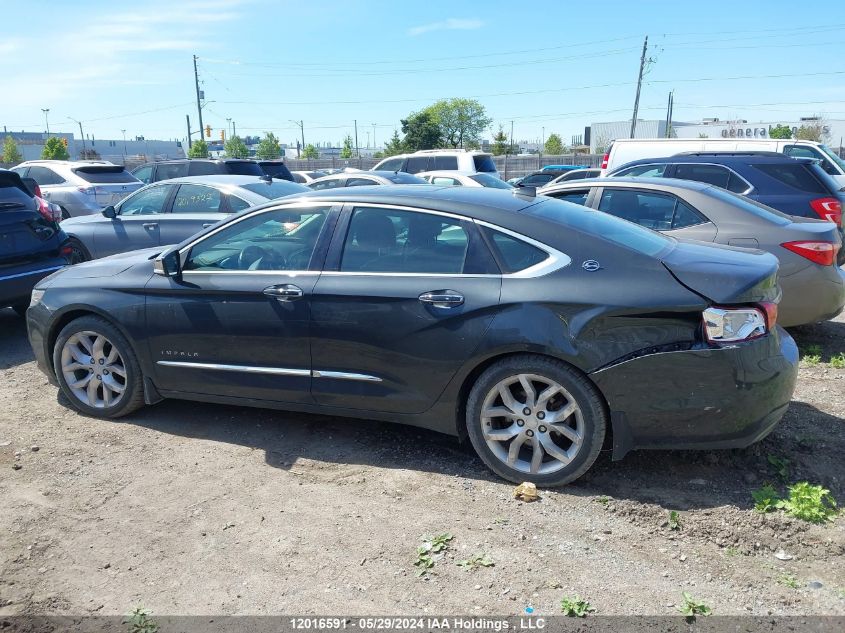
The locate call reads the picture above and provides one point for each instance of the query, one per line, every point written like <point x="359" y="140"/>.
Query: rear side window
<point x="202" y="168"/>
<point x="331" y="183"/>
<point x="445" y="181"/>
<point x="104" y="175"/>
<point x="394" y="164"/>
<point x="44" y="176"/>
<point x="602" y="226"/>
<point x="795" y="175"/>
<point x="416" y="164"/>
<point x="144" y="174"/>
<point x="166" y="171"/>
<point x="246" y="168"/>
<point x="197" y="199"/>
<point x="445" y="162"/>
<point x="360" y="182"/>
<point x="513" y="254"/>
<point x="711" y="174"/>
<point x="484" y="163"/>
<point x="657" y="211"/>
<point x="751" y="206"/>
<point x="486" y="180"/>
<point x="536" y="180"/>
<point x="642" y="171"/>
<point x="737" y="184"/>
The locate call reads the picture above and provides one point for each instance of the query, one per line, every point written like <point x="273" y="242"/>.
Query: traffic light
<point x="64" y="142"/>
<point x="222" y="135"/>
<point x="207" y="131"/>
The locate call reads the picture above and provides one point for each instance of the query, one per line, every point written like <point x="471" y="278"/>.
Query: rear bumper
<point x="816" y="293"/>
<point x="728" y="397"/>
<point x="17" y="282"/>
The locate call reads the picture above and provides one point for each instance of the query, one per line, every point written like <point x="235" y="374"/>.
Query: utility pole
<point x="669" y="107"/>
<point x="301" y="125"/>
<point x="46" y="111"/>
<point x="188" y="121"/>
<point x="228" y="125"/>
<point x="639" y="86"/>
<point x="374" y="136"/>
<point x="197" y="86"/>
<point x="124" y="138"/>
<point x="233" y="128"/>
<point x="84" y="150"/>
<point x="510" y="149"/>
<point x="357" y="151"/>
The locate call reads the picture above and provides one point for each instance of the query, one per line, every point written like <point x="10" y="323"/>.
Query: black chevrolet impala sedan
<point x="540" y="330"/>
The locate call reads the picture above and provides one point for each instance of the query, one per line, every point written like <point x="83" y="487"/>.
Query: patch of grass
<point x="501" y="521"/>
<point x="811" y="350"/>
<point x="780" y="464"/>
<point x="838" y="361"/>
<point x="789" y="581"/>
<point x="809" y="503"/>
<point x="475" y="561"/>
<point x="731" y="551"/>
<point x="811" y="360"/>
<point x="766" y="499"/>
<point x="574" y="606"/>
<point x="139" y="621"/>
<point x="674" y="520"/>
<point x="430" y="545"/>
<point x="604" y="500"/>
<point x="690" y="607"/>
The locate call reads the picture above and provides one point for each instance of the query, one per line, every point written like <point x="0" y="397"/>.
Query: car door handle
<point x="285" y="292"/>
<point x="207" y="224"/>
<point x="442" y="298"/>
<point x="150" y="225"/>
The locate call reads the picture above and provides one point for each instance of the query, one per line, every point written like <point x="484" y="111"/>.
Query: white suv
<point x="461" y="161"/>
<point x="80" y="187"/>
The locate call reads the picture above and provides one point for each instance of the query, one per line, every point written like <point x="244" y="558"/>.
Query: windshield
<point x="832" y="156"/>
<point x="274" y="189"/>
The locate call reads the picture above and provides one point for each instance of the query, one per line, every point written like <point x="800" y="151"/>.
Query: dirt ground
<point x="187" y="508"/>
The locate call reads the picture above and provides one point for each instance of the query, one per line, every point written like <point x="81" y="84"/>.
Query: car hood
<point x="107" y="266"/>
<point x="724" y="274"/>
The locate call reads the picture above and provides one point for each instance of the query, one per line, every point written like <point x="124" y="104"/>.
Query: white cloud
<point x="452" y="24"/>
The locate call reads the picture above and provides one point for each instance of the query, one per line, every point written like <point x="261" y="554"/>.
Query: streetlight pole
<point x="228" y="125"/>
<point x="301" y="125"/>
<point x="84" y="150"/>
<point x="46" y="111"/>
<point x="374" y="136"/>
<point x="124" y="143"/>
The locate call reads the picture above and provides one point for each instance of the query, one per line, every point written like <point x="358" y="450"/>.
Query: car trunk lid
<point x="108" y="184"/>
<point x="724" y="274"/>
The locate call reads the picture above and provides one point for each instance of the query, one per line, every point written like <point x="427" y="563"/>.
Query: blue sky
<point x="546" y="66"/>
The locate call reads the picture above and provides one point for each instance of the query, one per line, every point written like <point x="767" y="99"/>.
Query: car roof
<point x="198" y="160"/>
<point x="70" y="163"/>
<point x="657" y="183"/>
<point x="441" y="172"/>
<point x="220" y="180"/>
<point x="722" y="157"/>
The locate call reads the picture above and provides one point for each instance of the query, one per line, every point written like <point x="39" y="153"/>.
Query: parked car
<point x="540" y="178"/>
<point x="362" y="179"/>
<point x="624" y="151"/>
<point x="183" y="167"/>
<point x="305" y="177"/>
<point x="459" y="160"/>
<point x="453" y="179"/>
<point x="561" y="168"/>
<point x="276" y="169"/>
<point x="813" y="285"/>
<point x="531" y="326"/>
<point x="32" y="245"/>
<point x="79" y="187"/>
<point x="796" y="186"/>
<point x="168" y="212"/>
<point x="577" y="174"/>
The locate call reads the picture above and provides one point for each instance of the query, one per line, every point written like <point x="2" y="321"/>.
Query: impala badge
<point x="591" y="265"/>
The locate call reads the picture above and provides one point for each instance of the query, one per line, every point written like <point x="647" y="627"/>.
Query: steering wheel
<point x="251" y="257"/>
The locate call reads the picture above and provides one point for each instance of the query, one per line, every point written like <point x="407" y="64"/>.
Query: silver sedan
<point x="168" y="212"/>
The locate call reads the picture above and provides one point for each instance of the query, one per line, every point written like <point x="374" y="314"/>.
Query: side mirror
<point x="109" y="212"/>
<point x="168" y="264"/>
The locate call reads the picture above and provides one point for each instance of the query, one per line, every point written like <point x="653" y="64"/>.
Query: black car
<point x="539" y="329"/>
<point x="167" y="169"/>
<point x="31" y="243"/>
<point x="276" y="169"/>
<point x="539" y="179"/>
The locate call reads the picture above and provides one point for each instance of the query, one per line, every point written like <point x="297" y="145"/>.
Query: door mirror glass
<point x="168" y="264"/>
<point x="109" y="212"/>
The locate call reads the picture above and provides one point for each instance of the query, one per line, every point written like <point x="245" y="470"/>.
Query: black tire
<point x="78" y="253"/>
<point x="133" y="394"/>
<point x="584" y="394"/>
<point x="65" y="214"/>
<point x="21" y="309"/>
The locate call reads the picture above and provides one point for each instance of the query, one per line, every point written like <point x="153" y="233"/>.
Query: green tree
<point x="554" y="145"/>
<point x="703" y="135"/>
<point x="500" y="143"/>
<point x="54" y="149"/>
<point x="394" y="146"/>
<point x="199" y="149"/>
<point x="781" y="131"/>
<point x="460" y="120"/>
<point x="268" y="147"/>
<point x="421" y="131"/>
<point x="10" y="151"/>
<point x="347" y="151"/>
<point x="811" y="132"/>
<point x="310" y="152"/>
<point x="235" y="148"/>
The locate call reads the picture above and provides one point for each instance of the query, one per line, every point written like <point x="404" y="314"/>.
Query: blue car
<point x="31" y="243"/>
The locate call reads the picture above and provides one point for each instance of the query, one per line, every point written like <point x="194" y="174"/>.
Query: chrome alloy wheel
<point x="532" y="424"/>
<point x="93" y="369"/>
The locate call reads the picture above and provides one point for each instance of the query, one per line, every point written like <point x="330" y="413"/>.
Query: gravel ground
<point x="188" y="508"/>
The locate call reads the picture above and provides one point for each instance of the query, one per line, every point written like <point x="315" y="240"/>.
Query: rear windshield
<point x="797" y="175"/>
<point x="245" y="168"/>
<point x="103" y="174"/>
<point x="746" y="204"/>
<point x="603" y="226"/>
<point x="401" y="178"/>
<point x="12" y="196"/>
<point x="275" y="189"/>
<point x="537" y="180"/>
<point x="484" y="162"/>
<point x="486" y="180"/>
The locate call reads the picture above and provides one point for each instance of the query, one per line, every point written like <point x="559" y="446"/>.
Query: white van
<point x="627" y="149"/>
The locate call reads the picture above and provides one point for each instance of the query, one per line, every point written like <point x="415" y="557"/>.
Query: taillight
<point x="829" y="209"/>
<point x="771" y="310"/>
<point x="48" y="211"/>
<point x="822" y="253"/>
<point x="38" y="190"/>
<point x="605" y="159"/>
<point x="732" y="325"/>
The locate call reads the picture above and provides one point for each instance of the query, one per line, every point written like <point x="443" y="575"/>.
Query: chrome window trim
<point x="273" y="371"/>
<point x="277" y="273"/>
<point x="739" y="193"/>
<point x="556" y="260"/>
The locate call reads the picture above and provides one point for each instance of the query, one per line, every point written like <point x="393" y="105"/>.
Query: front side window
<point x="394" y="164"/>
<point x="331" y="183"/>
<point x="360" y="182"/>
<point x="144" y="174"/>
<point x="147" y="201"/>
<point x="804" y="151"/>
<point x="536" y="180"/>
<point x="445" y="181"/>
<point x="281" y="239"/>
<point x="577" y="196"/>
<point x="396" y="241"/>
<point x="44" y="176"/>
<point x="643" y="171"/>
<point x="197" y="199"/>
